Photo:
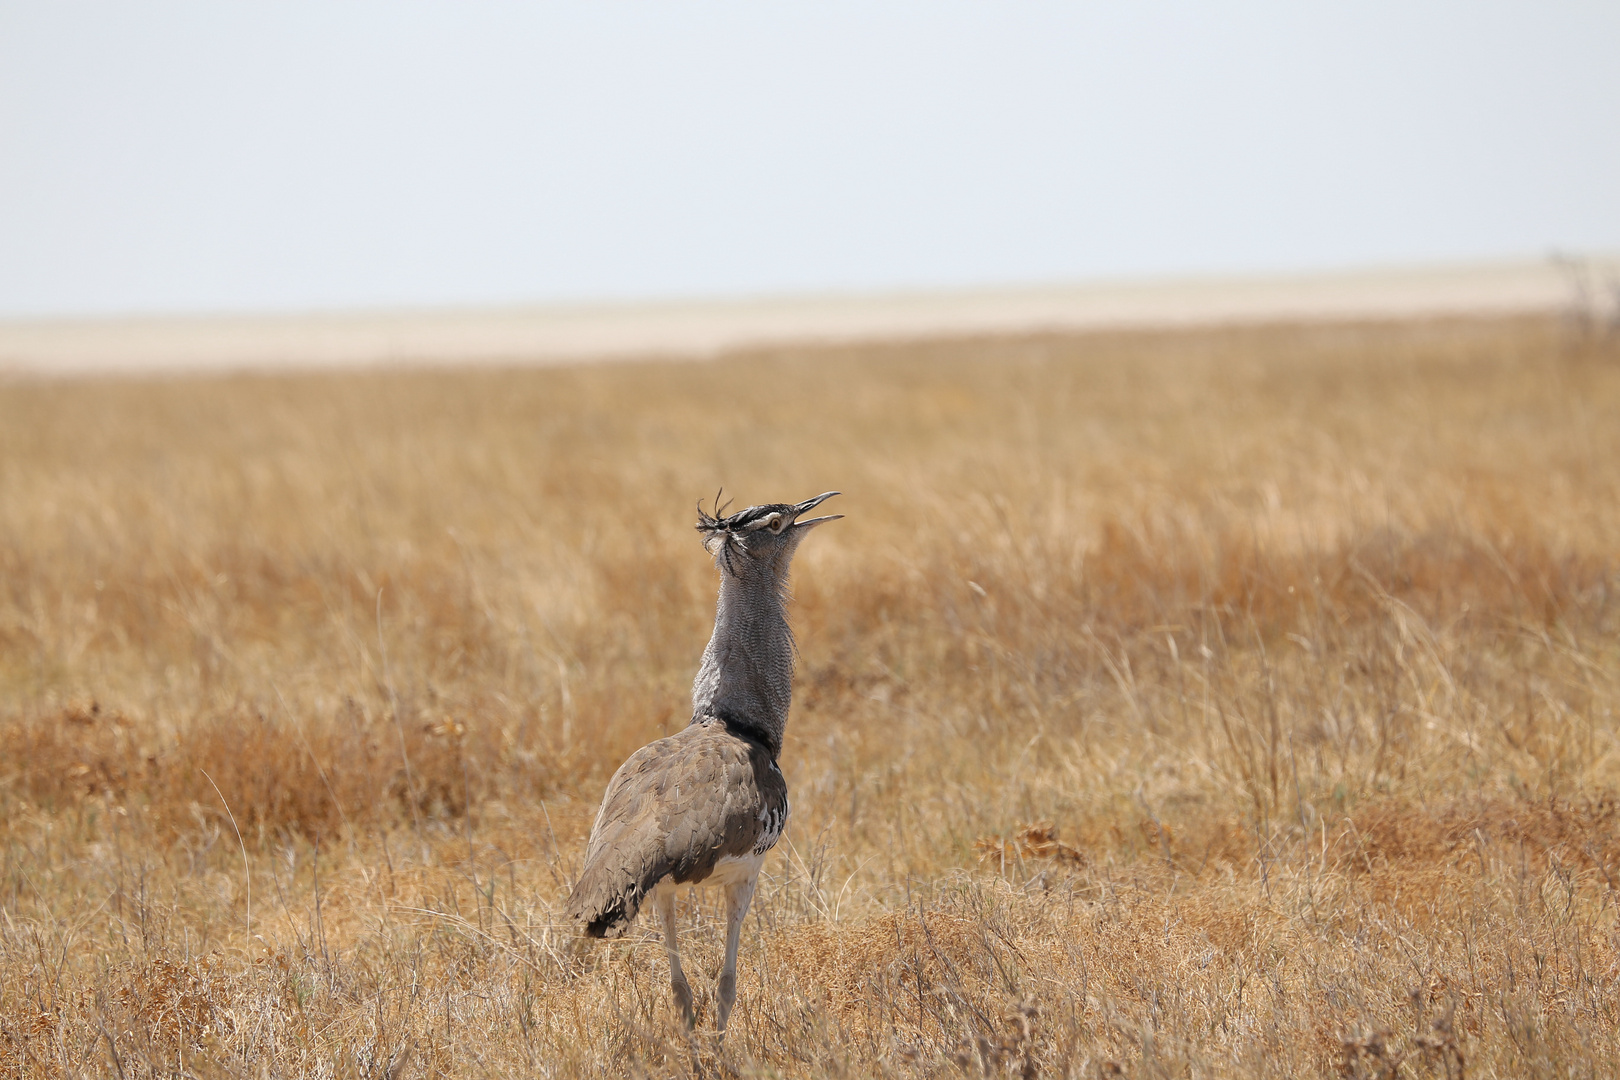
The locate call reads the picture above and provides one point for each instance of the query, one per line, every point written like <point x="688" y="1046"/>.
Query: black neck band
<point x="745" y="728"/>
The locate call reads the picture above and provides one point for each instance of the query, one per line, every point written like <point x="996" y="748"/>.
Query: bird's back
<point x="674" y="810"/>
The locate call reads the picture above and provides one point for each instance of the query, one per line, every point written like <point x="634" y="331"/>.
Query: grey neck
<point x="746" y="678"/>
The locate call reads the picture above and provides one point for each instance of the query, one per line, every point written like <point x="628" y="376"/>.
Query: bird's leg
<point x="665" y="899"/>
<point x="737" y="899"/>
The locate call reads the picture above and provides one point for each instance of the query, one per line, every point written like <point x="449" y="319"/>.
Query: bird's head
<point x="761" y="539"/>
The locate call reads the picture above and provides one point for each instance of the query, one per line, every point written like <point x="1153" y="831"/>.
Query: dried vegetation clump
<point x="1235" y="702"/>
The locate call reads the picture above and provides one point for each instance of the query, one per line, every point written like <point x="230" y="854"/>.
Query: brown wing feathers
<point x="674" y="809"/>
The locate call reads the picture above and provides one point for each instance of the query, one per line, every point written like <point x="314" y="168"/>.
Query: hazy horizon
<point x="199" y="160"/>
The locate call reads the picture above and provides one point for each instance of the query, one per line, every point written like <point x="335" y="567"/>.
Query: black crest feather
<point x="717" y="527"/>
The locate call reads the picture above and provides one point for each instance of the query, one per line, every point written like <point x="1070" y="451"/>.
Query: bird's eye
<point x="776" y="523"/>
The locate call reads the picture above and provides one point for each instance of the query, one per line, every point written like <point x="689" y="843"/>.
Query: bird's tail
<point x="605" y="902"/>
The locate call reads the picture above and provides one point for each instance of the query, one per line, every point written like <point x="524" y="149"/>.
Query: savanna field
<point x="1200" y="703"/>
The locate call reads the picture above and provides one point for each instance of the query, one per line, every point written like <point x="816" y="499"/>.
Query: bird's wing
<point x="673" y="810"/>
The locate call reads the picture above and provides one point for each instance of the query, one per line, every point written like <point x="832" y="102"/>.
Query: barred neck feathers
<point x="746" y="678"/>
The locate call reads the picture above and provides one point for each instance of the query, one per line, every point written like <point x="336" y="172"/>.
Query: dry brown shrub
<point x="354" y="770"/>
<point x="1034" y="841"/>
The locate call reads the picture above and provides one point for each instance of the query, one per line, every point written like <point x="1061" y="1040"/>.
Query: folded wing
<point x="673" y="810"/>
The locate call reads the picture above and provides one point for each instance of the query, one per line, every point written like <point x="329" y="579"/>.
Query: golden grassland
<point x="1234" y="702"/>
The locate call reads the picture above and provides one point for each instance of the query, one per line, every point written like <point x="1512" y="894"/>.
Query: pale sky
<point x="199" y="157"/>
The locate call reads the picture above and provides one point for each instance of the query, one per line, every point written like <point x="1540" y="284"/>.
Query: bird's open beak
<point x="809" y="505"/>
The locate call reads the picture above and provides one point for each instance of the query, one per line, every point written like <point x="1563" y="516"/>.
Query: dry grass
<point x="1220" y="703"/>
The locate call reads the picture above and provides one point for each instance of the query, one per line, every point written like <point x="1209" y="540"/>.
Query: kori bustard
<point x="703" y="806"/>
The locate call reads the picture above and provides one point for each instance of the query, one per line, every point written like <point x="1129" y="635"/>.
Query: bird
<point x="702" y="807"/>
